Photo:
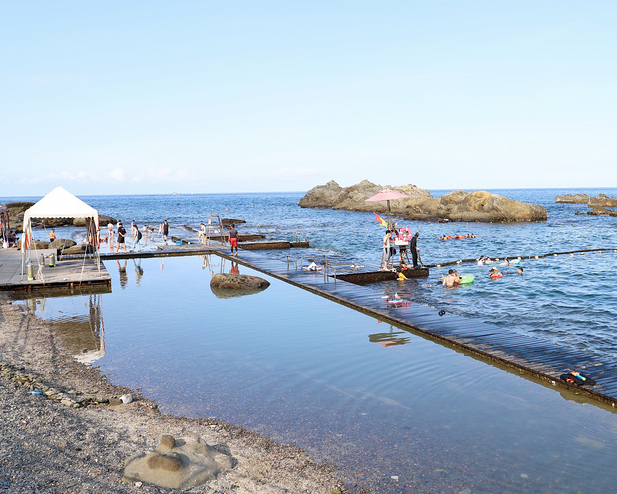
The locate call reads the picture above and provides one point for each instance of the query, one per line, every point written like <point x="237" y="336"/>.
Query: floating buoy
<point x="571" y="255"/>
<point x="438" y="265"/>
<point x="536" y="257"/>
<point x="458" y="262"/>
<point x="582" y="253"/>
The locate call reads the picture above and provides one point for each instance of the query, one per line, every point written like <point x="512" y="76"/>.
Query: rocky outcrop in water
<point x="459" y="205"/>
<point x="228" y="285"/>
<point x="602" y="201"/>
<point x="573" y="198"/>
<point x="602" y="212"/>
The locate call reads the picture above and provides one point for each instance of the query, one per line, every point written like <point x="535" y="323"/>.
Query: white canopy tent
<point x="60" y="203"/>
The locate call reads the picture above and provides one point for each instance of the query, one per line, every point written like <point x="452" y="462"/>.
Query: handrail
<point x="295" y="261"/>
<point x="313" y="255"/>
<point x="300" y="236"/>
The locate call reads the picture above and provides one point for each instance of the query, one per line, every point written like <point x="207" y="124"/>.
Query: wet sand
<point x="48" y="446"/>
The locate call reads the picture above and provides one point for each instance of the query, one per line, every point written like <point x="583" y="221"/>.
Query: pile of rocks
<point x="71" y="398"/>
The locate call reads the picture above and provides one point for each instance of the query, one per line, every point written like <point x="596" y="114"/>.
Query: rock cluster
<point x="459" y="205"/>
<point x="70" y="398"/>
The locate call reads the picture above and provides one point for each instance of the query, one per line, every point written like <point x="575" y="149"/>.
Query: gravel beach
<point x="72" y="440"/>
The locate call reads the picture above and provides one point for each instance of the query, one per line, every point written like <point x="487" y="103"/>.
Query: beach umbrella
<point x="387" y="195"/>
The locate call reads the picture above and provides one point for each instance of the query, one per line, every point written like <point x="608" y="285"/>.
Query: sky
<point x="154" y="97"/>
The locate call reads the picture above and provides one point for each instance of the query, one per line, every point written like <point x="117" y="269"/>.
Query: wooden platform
<point x="271" y="245"/>
<point x="67" y="274"/>
<point x="366" y="278"/>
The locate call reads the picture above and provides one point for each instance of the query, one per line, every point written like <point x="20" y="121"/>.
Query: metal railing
<point x="294" y="260"/>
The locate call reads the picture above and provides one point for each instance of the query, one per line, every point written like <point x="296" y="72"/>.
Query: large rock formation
<point x="16" y="214"/>
<point x="602" y="201"/>
<point x="422" y="206"/>
<point x="353" y="198"/>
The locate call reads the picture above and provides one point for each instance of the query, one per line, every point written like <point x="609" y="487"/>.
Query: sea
<point x="392" y="410"/>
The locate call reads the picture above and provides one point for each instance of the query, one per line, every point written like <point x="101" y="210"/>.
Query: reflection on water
<point x="391" y="409"/>
<point x="79" y="323"/>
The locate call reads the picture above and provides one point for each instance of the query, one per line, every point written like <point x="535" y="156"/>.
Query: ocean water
<point x="392" y="410"/>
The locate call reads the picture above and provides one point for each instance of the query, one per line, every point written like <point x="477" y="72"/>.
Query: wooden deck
<point x="67" y="274"/>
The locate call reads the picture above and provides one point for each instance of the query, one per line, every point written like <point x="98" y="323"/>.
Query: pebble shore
<point x="65" y="428"/>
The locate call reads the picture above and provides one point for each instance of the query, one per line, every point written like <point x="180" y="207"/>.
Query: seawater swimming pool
<point x="389" y="408"/>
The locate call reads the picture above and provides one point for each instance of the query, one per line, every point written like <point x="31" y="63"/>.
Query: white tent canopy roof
<point x="60" y="203"/>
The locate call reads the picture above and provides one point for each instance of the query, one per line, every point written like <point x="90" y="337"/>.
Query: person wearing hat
<point x="494" y="273"/>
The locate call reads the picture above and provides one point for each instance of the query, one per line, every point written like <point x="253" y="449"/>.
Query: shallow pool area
<point x="392" y="410"/>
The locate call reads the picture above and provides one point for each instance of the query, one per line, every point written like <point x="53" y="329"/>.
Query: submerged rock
<point x="177" y="464"/>
<point x="458" y="205"/>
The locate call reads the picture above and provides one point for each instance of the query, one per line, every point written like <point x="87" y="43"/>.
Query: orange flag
<point x="380" y="220"/>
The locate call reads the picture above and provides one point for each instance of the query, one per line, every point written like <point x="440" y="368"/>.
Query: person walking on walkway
<point x="121" y="237"/>
<point x="165" y="231"/>
<point x="137" y="236"/>
<point x="233" y="239"/>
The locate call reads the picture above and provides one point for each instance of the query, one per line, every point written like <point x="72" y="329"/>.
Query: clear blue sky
<point x="234" y="96"/>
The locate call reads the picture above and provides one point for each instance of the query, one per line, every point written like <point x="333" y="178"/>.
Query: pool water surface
<point x="389" y="408"/>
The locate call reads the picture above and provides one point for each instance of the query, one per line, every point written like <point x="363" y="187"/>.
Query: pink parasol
<point x="387" y="195"/>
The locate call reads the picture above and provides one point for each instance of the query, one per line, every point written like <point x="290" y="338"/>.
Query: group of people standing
<point x="136" y="235"/>
<point x="389" y="249"/>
